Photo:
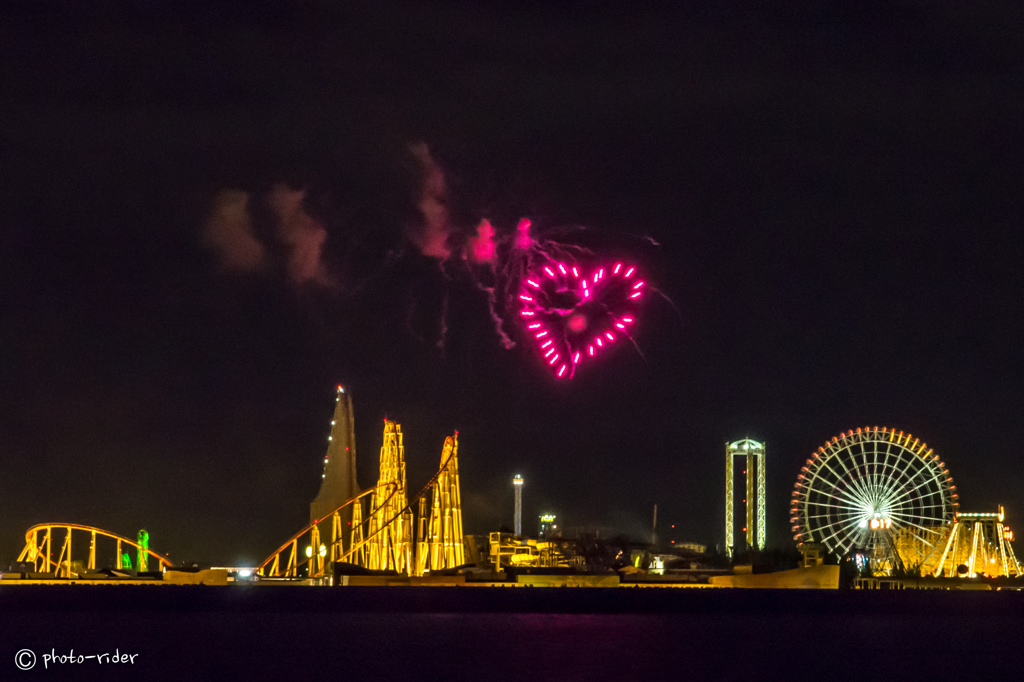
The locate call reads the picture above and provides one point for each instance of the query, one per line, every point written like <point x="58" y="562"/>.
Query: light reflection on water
<point x="299" y="633"/>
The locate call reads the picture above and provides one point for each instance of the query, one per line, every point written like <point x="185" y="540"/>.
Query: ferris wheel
<point x="880" y="492"/>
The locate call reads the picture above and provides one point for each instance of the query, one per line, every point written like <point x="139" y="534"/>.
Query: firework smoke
<point x="431" y="236"/>
<point x="481" y="248"/>
<point x="229" y="232"/>
<point x="302" y="236"/>
<point x="496" y="259"/>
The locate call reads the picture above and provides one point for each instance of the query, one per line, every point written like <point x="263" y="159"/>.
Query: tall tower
<point x="338" y="483"/>
<point x="389" y="532"/>
<point x="517" y="483"/>
<point x="753" y="453"/>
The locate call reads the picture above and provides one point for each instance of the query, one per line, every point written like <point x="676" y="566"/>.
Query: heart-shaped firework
<point x="575" y="315"/>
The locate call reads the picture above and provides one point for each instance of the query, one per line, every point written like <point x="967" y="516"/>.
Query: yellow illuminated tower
<point x="442" y="543"/>
<point x="753" y="453"/>
<point x="391" y="520"/>
<point x="517" y="483"/>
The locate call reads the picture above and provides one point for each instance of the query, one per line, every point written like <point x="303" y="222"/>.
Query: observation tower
<point x="753" y="501"/>
<point x="517" y="483"/>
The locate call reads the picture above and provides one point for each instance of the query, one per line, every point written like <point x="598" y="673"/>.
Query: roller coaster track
<point x="386" y="542"/>
<point x="271" y="566"/>
<point x="40" y="550"/>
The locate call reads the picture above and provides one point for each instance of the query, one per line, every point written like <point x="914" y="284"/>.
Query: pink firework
<point x="576" y="314"/>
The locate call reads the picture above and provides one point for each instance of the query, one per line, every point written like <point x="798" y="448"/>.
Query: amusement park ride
<point x="39" y="550"/>
<point x="385" y="536"/>
<point x="382" y="538"/>
<point x="754" y="469"/>
<point x="888" y="500"/>
<point x="880" y="497"/>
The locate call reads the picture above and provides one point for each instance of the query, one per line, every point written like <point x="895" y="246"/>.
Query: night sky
<point x="830" y="202"/>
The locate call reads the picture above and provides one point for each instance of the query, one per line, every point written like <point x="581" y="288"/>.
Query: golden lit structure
<point x="383" y="538"/>
<point x="917" y="550"/>
<point x="508" y="549"/>
<point x="981" y="543"/>
<point x="440" y="536"/>
<point x="390" y="521"/>
<point x="39" y="540"/>
<point x="753" y="501"/>
<point x="316" y="562"/>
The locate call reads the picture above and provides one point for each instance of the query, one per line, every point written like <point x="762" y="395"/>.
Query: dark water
<point x="294" y="633"/>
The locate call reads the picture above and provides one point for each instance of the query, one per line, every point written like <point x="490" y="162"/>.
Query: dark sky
<point x="835" y="196"/>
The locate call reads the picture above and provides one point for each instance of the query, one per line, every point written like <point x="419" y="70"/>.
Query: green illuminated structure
<point x="753" y="501"/>
<point x="143" y="550"/>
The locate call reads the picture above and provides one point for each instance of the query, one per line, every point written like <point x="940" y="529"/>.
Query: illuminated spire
<point x="517" y="483"/>
<point x="338" y="480"/>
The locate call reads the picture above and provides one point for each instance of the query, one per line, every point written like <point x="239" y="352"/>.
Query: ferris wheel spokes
<point x="876" y="489"/>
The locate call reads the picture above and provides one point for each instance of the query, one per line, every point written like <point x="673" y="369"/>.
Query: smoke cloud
<point x="431" y="236"/>
<point x="302" y="236"/>
<point x="481" y="247"/>
<point x="229" y="232"/>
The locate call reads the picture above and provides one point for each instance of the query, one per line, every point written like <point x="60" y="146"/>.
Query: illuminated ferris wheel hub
<point x="880" y="493"/>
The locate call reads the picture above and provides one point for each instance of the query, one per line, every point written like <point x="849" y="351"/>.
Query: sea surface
<point x="488" y="634"/>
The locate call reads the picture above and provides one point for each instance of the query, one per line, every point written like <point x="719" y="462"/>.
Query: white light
<point x="330" y="437"/>
<point x="244" y="573"/>
<point x="309" y="551"/>
<point x="323" y="551"/>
